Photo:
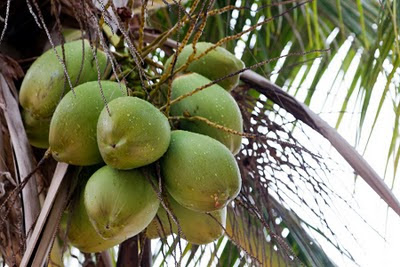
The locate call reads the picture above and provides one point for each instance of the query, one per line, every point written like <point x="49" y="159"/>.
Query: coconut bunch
<point x="189" y="134"/>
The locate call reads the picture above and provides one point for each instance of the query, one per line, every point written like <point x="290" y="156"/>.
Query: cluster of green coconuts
<point x="119" y="200"/>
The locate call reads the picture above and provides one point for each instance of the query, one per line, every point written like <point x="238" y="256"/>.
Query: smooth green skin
<point x="197" y="227"/>
<point x="120" y="204"/>
<point x="136" y="134"/>
<point x="216" y="64"/>
<point x="43" y="85"/>
<point x="36" y="129"/>
<point x="82" y="234"/>
<point x="71" y="34"/>
<point x="199" y="172"/>
<point x="72" y="135"/>
<point x="212" y="103"/>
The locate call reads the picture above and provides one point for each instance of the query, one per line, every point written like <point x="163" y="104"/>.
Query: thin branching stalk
<point x="255" y="66"/>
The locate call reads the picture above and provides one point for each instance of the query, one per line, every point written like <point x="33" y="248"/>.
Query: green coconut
<point x="81" y="233"/>
<point x="136" y="134"/>
<point x="43" y="85"/>
<point x="199" y="172"/>
<point x="216" y="64"/>
<point x="56" y="254"/>
<point x="120" y="204"/>
<point x="197" y="227"/>
<point x="212" y="103"/>
<point x="36" y="129"/>
<point x="72" y="135"/>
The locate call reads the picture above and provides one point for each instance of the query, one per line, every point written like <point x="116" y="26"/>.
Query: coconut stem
<point x="130" y="254"/>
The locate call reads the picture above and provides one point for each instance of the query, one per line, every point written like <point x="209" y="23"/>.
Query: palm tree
<point x="289" y="48"/>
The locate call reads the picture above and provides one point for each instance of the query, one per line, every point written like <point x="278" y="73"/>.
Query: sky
<point x="375" y="227"/>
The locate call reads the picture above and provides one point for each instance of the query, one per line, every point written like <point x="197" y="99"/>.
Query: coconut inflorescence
<point x="188" y="147"/>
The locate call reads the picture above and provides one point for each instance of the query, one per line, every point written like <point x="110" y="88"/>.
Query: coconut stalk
<point x="130" y="253"/>
<point x="105" y="259"/>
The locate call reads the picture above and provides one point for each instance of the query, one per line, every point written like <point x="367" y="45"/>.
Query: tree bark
<point x="147" y="255"/>
<point x="104" y="259"/>
<point x="129" y="253"/>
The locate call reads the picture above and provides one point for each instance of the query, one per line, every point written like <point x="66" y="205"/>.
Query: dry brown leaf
<point x="23" y="153"/>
